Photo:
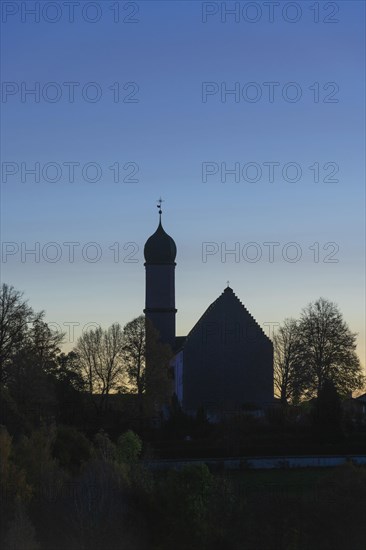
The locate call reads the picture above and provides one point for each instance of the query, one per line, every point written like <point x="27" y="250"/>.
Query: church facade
<point x="225" y="363"/>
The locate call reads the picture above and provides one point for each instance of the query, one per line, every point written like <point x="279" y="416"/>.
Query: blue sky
<point x="165" y="137"/>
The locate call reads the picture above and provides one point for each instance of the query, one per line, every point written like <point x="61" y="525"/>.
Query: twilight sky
<point x="250" y="125"/>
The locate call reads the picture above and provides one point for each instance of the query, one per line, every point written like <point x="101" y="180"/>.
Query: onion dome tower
<point x="160" y="252"/>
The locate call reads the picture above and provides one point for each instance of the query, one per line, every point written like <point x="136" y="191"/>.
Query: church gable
<point x="228" y="321"/>
<point x="227" y="358"/>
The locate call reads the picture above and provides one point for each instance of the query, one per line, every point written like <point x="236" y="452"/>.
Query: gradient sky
<point x="169" y="52"/>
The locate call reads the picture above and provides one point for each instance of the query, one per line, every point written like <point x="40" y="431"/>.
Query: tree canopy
<point x="317" y="349"/>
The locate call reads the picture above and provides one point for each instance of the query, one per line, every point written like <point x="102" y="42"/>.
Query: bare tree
<point x="43" y="342"/>
<point x="88" y="351"/>
<point x="327" y="350"/>
<point x="134" y="347"/>
<point x="15" y="314"/>
<point x="288" y="377"/>
<point x="109" y="368"/>
<point x="100" y="358"/>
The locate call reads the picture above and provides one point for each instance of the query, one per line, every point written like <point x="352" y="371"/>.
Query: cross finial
<point x="159" y="206"/>
<point x="228" y="283"/>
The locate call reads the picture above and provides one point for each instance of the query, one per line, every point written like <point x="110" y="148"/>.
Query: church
<point x="225" y="363"/>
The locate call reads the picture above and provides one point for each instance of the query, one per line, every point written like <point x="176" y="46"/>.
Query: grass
<point x="301" y="482"/>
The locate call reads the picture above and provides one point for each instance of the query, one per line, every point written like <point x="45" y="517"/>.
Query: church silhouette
<point x="225" y="363"/>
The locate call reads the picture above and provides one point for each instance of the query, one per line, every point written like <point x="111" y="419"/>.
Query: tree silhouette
<point x="100" y="357"/>
<point x="134" y="351"/>
<point x="67" y="371"/>
<point x="29" y="370"/>
<point x="327" y="350"/>
<point x="15" y="314"/>
<point x="43" y="343"/>
<point x="328" y="409"/>
<point x="288" y="377"/>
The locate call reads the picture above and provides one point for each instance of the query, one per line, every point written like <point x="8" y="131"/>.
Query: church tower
<point x="160" y="252"/>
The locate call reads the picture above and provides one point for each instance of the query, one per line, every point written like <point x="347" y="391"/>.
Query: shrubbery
<point x="99" y="496"/>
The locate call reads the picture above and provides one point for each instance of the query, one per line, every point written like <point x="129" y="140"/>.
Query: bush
<point x="71" y="448"/>
<point x="129" y="447"/>
<point x="104" y="448"/>
<point x="183" y="504"/>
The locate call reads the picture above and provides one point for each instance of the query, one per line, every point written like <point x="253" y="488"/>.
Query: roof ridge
<point x="212" y="305"/>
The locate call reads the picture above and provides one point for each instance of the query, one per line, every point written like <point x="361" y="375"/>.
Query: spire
<point x="160" y="210"/>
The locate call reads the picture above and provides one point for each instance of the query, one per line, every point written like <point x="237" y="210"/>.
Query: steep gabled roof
<point x="227" y="297"/>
